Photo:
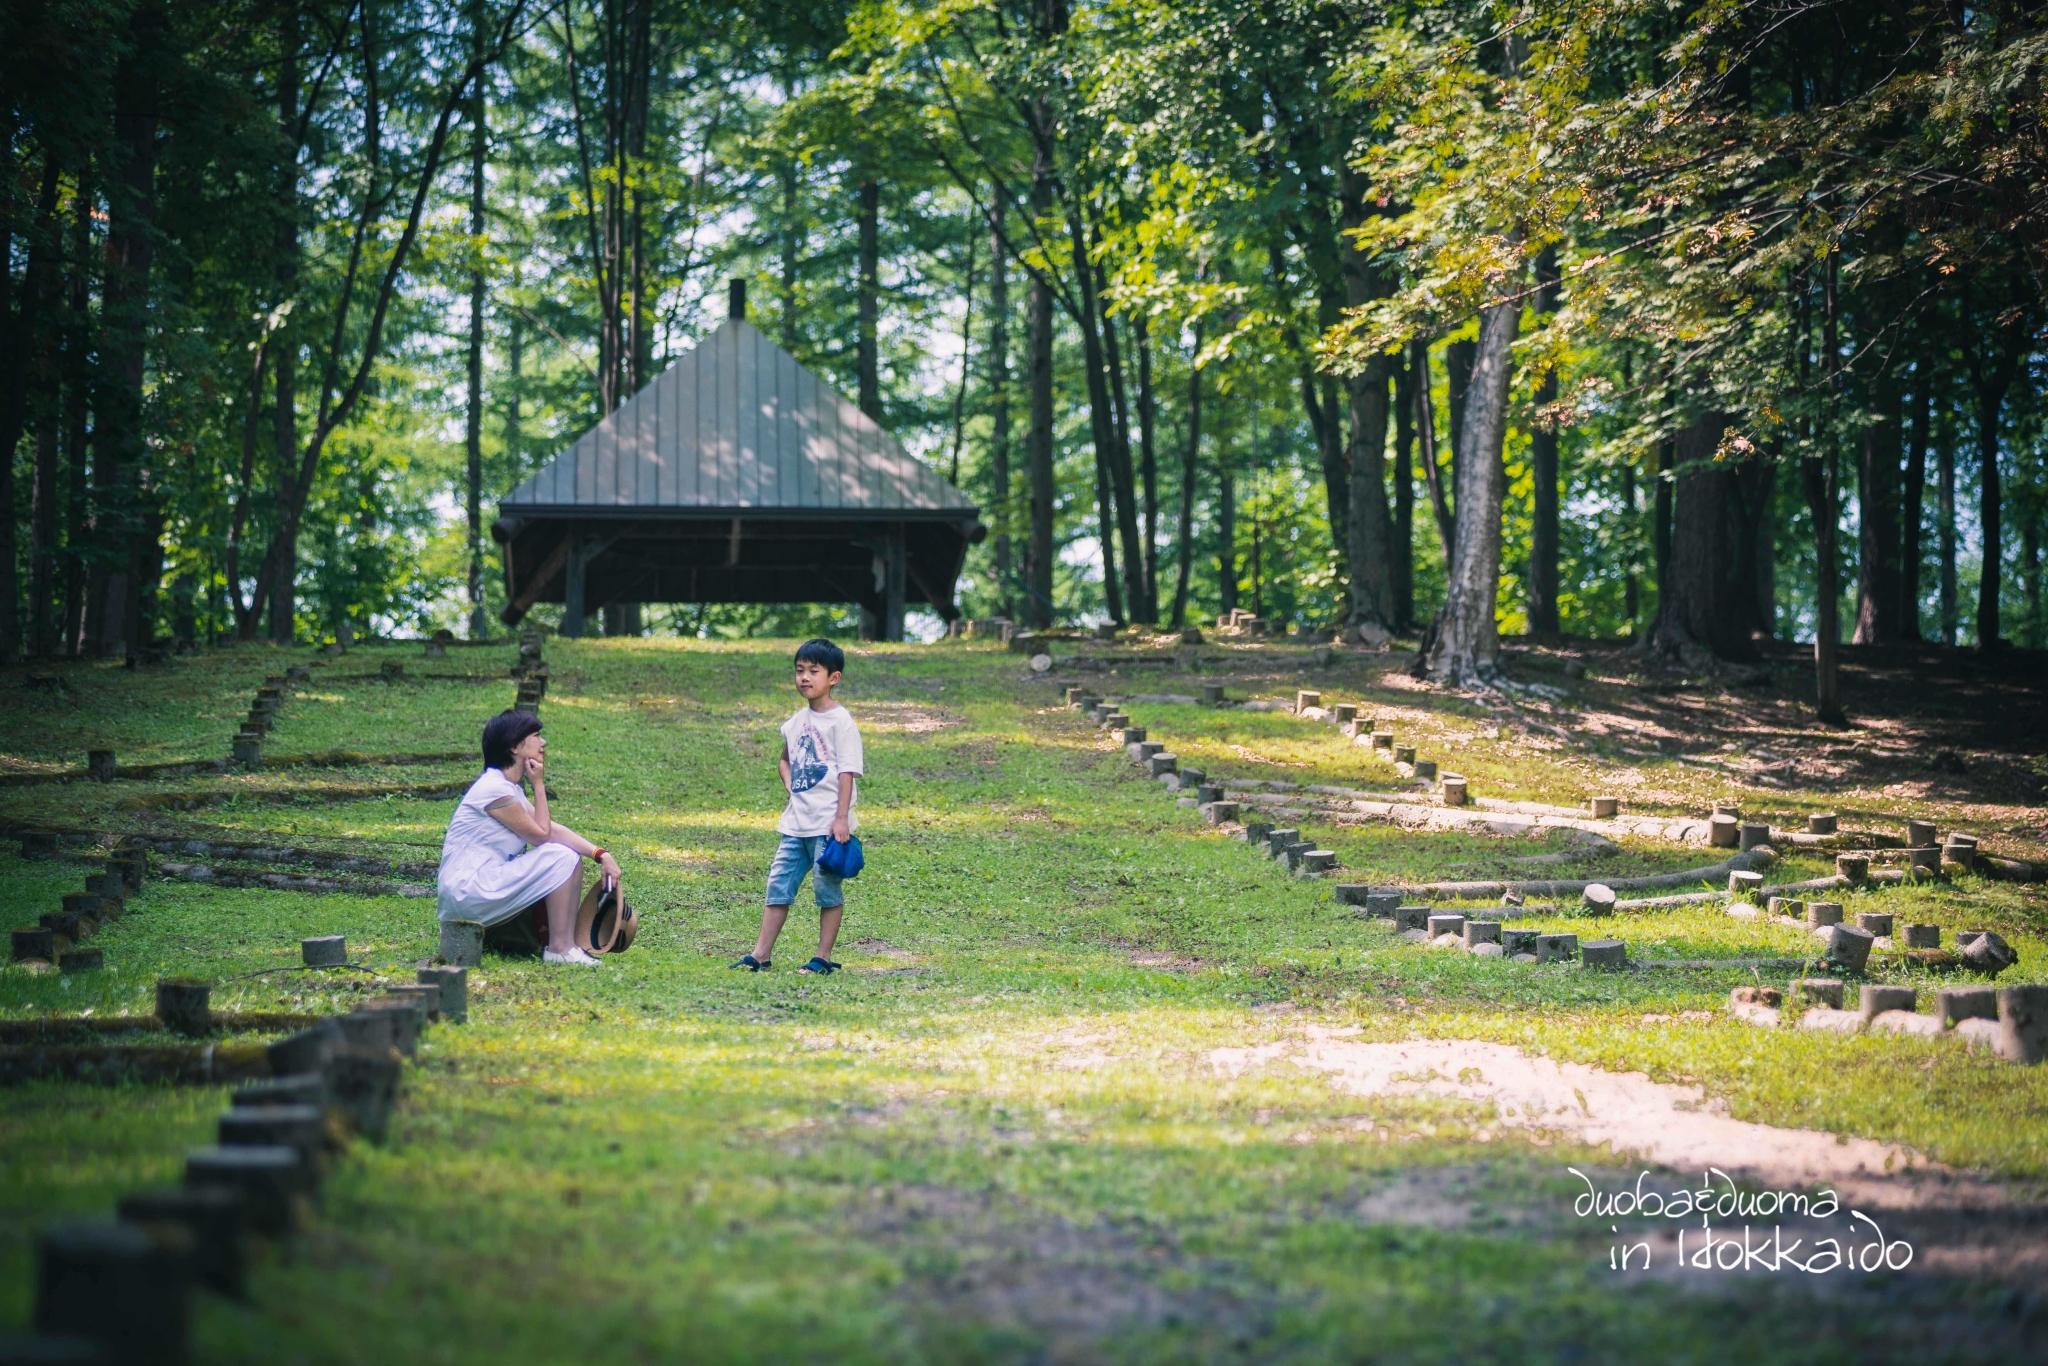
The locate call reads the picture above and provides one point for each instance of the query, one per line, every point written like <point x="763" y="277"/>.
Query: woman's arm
<point x="515" y="818"/>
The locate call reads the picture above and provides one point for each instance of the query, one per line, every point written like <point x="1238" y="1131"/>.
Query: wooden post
<point x="895" y="569"/>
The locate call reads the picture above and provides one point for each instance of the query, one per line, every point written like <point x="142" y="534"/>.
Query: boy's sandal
<point x="819" y="967"/>
<point x="753" y="964"/>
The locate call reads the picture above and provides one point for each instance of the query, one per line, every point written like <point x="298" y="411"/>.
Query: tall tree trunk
<point x="1116" y="497"/>
<point x="28" y="356"/>
<point x="999" y="398"/>
<point x="1148" y="466"/>
<point x="1105" y="531"/>
<point x="1707" y="597"/>
<point x="1467" y="644"/>
<point x="1910" y="552"/>
<point x="1543" y="617"/>
<point x="1402" y="540"/>
<point x="1372" y="578"/>
<point x="1660" y="511"/>
<point x="1425" y="432"/>
<point x="867" y="357"/>
<point x="281" y="564"/>
<point x="1458" y="360"/>
<point x="1038" y="445"/>
<point x="1631" y="606"/>
<point x="1226" y="519"/>
<point x="1945" y="531"/>
<point x="1877" y="569"/>
<point x="1184" y="525"/>
<point x="1991" y="381"/>
<point x="2030" y="566"/>
<point x="1823" y="480"/>
<point x="42" y="564"/>
<point x="78" y="386"/>
<point x="473" y="434"/>
<point x="131" y="249"/>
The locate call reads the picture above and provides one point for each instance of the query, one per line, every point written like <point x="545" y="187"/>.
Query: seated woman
<point x="504" y="854"/>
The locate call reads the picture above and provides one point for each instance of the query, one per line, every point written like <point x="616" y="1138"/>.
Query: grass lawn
<point x="1005" y="1133"/>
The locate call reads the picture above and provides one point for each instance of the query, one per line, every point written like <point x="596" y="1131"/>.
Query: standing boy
<point x="821" y="758"/>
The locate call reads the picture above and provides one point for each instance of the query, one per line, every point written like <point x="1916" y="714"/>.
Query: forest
<point x="1701" y="325"/>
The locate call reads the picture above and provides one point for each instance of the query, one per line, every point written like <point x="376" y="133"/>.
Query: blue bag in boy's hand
<point x="841" y="860"/>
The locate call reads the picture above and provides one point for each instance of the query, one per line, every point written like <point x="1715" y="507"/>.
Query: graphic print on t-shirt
<point x="806" y="766"/>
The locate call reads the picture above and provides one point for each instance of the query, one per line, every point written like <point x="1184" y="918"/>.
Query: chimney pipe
<point x="736" y="306"/>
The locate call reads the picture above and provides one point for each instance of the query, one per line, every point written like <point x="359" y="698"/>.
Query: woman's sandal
<point x="819" y="967"/>
<point x="752" y="964"/>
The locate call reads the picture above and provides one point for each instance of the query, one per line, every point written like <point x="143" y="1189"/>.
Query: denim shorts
<point x="796" y="856"/>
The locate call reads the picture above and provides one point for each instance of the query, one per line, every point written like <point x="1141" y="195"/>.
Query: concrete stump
<point x="372" y="1029"/>
<point x="1603" y="953"/>
<point x="31" y="945"/>
<point x="1743" y="883"/>
<point x="1072" y="694"/>
<point x="1850" y="946"/>
<point x="454" y="985"/>
<point x="1989" y="955"/>
<point x="1314" y="862"/>
<point x="1383" y="739"/>
<point x="1961" y="850"/>
<point x="1148" y="748"/>
<point x="1724" y="832"/>
<point x="305" y="1052"/>
<point x="1305" y="699"/>
<point x="66" y="925"/>
<point x="1425" y="769"/>
<point x="363" y="1083"/>
<point x="1117" y="720"/>
<point x="1919" y="834"/>
<point x="1953" y="1005"/>
<point x="1257" y="832"/>
<point x="1752" y="833"/>
<point x="1212" y="694"/>
<point x="1219" y="812"/>
<point x="182" y="1003"/>
<point x="1598" y="899"/>
<point x="1821" y="823"/>
<point x="1132" y="735"/>
<point x="1877" y="922"/>
<point x="298" y="673"/>
<point x="2023" y="1024"/>
<point x="1446" y="922"/>
<point x="82" y="960"/>
<point x="133" y="866"/>
<point x="404" y="1018"/>
<point x="526" y="707"/>
<point x="1411" y="918"/>
<point x="305" y="1089"/>
<point x="1556" y="948"/>
<point x="302" y="1128"/>
<point x="1207" y="793"/>
<point x="272" y="1181"/>
<point x="211" y="1219"/>
<point x="1922" y="936"/>
<point x="1874" y="999"/>
<point x="1404" y="754"/>
<point x="462" y="943"/>
<point x="125" y="1287"/>
<point x="247" y="752"/>
<point x="1819" y="991"/>
<point x="324" y="951"/>
<point x="1161" y="764"/>
<point x="1600" y="808"/>
<point x="1344" y="712"/>
<point x="424" y="996"/>
<point x="100" y="764"/>
<point x="1278" y="839"/>
<point x="1381" y="905"/>
<point x="1478" y="932"/>
<point x="106" y="886"/>
<point x="1454" y="789"/>
<point x="1854" y="867"/>
<point x="38" y="844"/>
<point x="1192" y="777"/>
<point x="1514" y="942"/>
<point x="83" y="904"/>
<point x="1927" y="860"/>
<point x="1823" y="913"/>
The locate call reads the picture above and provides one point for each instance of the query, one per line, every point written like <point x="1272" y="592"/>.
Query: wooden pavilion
<point x="736" y="476"/>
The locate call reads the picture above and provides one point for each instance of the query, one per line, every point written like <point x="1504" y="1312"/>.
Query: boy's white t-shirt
<point x="821" y="745"/>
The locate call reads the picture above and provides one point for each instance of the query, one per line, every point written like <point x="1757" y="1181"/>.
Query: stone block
<point x="1905" y="1022"/>
<point x="1752" y="833"/>
<point x="307" y="1088"/>
<point x="1823" y="913"/>
<point x="306" y="1052"/>
<point x="1404" y="754"/>
<point x="1516" y="942"/>
<point x="213" y="1222"/>
<point x="363" y="1083"/>
<point x="1383" y="739"/>
<point x="1162" y="763"/>
<point x="124" y="1287"/>
<point x="1989" y="954"/>
<point x="324" y="951"/>
<point x="1478" y="932"/>
<point x="453" y="983"/>
<point x="1414" y="918"/>
<point x="1921" y="937"/>
<point x="1194" y="777"/>
<point x="1787" y="905"/>
<point x="1603" y="953"/>
<point x="1854" y="867"/>
<point x="1205" y="793"/>
<point x="1446" y="922"/>
<point x="1556" y="948"/>
<point x="1257" y="832"/>
<point x="1600" y="808"/>
<point x="1832" y="1021"/>
<point x="1219" y="813"/>
<point x="274" y="1183"/>
<point x="1381" y="905"/>
<point x="1963" y="856"/>
<point x="1953" y="1005"/>
<point x="1486" y="950"/>
<point x="462" y="943"/>
<point x="1351" y="893"/>
<point x="1850" y="947"/>
<point x="82" y="960"/>
<point x="1979" y="1033"/>
<point x="2023" y="1024"/>
<point x="1453" y="789"/>
<point x="247" y="751"/>
<point x="424" y="997"/>
<point x="1425" y="769"/>
<point x="302" y="1128"/>
<point x="1877" y="922"/>
<point x="1212" y="694"/>
<point x="1821" y="823"/>
<point x="1344" y="712"/>
<point x="1148" y="748"/>
<point x="1315" y="862"/>
<point x="1131" y="735"/>
<point x="1819" y="991"/>
<point x="1745" y="884"/>
<point x="1874" y="999"/>
<point x="1305" y="699"/>
<point x="182" y="1003"/>
<point x="1278" y="840"/>
<point x="1919" y="834"/>
<point x="1597" y="899"/>
<point x="1724" y="832"/>
<point x="1925" y="861"/>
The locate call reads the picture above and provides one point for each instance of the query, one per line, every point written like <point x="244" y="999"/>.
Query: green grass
<point x="996" y="1136"/>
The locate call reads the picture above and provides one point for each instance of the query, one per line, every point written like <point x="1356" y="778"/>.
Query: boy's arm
<point x="784" y="765"/>
<point x="841" y="830"/>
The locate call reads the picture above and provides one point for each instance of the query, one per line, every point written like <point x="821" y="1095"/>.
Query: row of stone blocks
<point x="120" y="1290"/>
<point x="58" y="936"/>
<point x="1480" y="936"/>
<point x="2010" y="1021"/>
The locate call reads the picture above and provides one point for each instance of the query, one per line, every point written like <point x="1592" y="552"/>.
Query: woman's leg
<point x="561" y="904"/>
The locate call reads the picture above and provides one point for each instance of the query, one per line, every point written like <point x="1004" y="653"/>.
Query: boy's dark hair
<point x="822" y="653"/>
<point x="504" y="731"/>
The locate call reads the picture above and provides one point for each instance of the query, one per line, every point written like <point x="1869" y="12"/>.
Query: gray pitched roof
<point x="738" y="424"/>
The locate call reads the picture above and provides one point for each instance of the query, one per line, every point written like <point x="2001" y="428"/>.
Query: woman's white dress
<point x="487" y="872"/>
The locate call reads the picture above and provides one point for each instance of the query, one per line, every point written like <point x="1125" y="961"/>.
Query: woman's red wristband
<point x="596" y="854"/>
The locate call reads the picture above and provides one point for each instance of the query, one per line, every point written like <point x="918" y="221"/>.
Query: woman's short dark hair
<point x="822" y="653"/>
<point x="503" y="733"/>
